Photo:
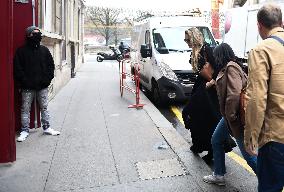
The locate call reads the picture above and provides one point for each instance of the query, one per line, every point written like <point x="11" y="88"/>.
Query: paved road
<point x="235" y="164"/>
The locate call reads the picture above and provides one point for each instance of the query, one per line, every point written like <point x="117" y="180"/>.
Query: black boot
<point x="195" y="150"/>
<point x="208" y="158"/>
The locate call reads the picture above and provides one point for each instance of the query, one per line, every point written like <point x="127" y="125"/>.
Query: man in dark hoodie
<point x="34" y="70"/>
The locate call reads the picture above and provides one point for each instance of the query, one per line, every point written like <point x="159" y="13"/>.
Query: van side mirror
<point x="163" y="50"/>
<point x="145" y="51"/>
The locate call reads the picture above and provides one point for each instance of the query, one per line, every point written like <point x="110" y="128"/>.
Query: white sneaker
<point x="214" y="179"/>
<point x="50" y="131"/>
<point x="23" y="136"/>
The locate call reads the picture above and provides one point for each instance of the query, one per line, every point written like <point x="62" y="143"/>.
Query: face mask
<point x="36" y="38"/>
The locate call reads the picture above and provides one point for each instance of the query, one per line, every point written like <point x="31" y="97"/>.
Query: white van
<point x="158" y="46"/>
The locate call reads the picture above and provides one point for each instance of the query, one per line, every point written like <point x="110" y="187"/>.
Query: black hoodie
<point x="33" y="66"/>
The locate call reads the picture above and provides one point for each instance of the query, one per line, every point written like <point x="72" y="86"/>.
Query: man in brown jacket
<point x="264" y="129"/>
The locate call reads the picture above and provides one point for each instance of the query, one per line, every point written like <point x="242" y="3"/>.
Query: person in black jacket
<point x="34" y="71"/>
<point x="201" y="114"/>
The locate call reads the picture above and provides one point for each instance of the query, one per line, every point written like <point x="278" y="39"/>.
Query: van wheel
<point x="156" y="95"/>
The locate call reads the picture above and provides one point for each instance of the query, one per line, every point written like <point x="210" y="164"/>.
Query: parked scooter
<point x="126" y="53"/>
<point x="116" y="55"/>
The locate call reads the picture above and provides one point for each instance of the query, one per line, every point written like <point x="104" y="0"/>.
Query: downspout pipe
<point x="35" y="99"/>
<point x="33" y="7"/>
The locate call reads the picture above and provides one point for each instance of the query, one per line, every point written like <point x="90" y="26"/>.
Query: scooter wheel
<point x="99" y="59"/>
<point x="119" y="58"/>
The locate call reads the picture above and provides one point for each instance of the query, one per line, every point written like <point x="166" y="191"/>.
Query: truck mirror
<point x="145" y="51"/>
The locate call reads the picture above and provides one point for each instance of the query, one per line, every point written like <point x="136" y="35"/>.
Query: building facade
<point x="61" y="22"/>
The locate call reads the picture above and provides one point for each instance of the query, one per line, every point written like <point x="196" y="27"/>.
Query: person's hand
<point x="210" y="83"/>
<point x="251" y="150"/>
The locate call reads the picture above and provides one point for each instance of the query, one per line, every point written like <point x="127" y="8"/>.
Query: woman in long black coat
<point x="201" y="114"/>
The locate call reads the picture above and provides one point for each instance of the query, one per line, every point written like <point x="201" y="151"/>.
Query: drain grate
<point x="159" y="169"/>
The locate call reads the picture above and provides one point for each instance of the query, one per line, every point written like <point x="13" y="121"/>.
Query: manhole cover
<point x="159" y="169"/>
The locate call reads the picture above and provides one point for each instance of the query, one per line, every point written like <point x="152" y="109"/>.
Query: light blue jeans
<point x="27" y="99"/>
<point x="219" y="136"/>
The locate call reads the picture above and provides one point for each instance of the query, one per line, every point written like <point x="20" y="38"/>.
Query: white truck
<point x="241" y="31"/>
<point x="158" y="46"/>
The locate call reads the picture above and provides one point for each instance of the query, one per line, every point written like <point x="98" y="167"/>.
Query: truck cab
<point x="163" y="56"/>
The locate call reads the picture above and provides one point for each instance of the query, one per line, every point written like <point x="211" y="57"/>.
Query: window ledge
<point x="52" y="35"/>
<point x="71" y="40"/>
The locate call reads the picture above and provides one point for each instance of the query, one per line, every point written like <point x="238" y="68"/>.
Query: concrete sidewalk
<point x="104" y="146"/>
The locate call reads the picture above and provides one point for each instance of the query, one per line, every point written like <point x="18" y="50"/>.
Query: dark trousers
<point x="185" y="113"/>
<point x="270" y="167"/>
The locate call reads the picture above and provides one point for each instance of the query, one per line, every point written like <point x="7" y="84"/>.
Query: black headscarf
<point x="223" y="54"/>
<point x="206" y="55"/>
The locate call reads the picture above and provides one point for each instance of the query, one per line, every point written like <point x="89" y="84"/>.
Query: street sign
<point x="22" y="1"/>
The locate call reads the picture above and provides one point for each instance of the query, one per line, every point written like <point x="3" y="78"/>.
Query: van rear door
<point x="252" y="36"/>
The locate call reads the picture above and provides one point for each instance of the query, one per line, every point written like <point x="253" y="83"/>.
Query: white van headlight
<point x="167" y="71"/>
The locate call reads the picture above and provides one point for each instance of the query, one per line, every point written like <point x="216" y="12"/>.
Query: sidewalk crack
<point x="111" y="148"/>
<point x="56" y="144"/>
